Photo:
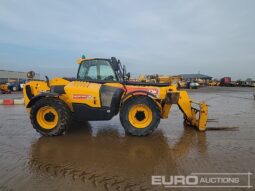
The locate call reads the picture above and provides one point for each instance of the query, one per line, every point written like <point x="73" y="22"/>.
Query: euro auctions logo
<point x="204" y="180"/>
<point x="174" y="180"/>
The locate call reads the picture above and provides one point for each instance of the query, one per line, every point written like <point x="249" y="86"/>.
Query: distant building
<point x="195" y="77"/>
<point x="8" y="76"/>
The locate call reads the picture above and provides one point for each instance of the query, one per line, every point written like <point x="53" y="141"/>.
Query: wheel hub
<point x="49" y="117"/>
<point x="140" y="116"/>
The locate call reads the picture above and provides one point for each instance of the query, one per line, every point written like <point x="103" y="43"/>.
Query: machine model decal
<point x="82" y="96"/>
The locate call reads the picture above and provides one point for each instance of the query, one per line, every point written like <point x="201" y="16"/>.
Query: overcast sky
<point x="215" y="37"/>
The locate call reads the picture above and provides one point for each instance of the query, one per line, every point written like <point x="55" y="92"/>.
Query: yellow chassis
<point x="164" y="97"/>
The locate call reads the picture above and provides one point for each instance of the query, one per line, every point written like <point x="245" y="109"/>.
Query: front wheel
<point x="139" y="116"/>
<point x="50" y="116"/>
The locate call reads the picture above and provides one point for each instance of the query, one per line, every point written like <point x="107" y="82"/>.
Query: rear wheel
<point x="139" y="116"/>
<point x="50" y="117"/>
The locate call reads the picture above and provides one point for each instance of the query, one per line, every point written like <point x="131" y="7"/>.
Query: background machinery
<point x="101" y="91"/>
<point x="4" y="89"/>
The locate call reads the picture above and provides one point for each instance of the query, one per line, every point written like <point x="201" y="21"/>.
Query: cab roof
<point x="80" y="60"/>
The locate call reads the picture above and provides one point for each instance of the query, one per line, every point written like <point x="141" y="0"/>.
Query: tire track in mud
<point x="9" y="169"/>
<point x="5" y="188"/>
<point x="18" y="161"/>
<point x="107" y="181"/>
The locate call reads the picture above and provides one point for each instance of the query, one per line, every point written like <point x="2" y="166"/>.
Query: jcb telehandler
<point x="101" y="91"/>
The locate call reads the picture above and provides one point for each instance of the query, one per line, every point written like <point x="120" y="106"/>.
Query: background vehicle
<point x="214" y="83"/>
<point x="226" y="81"/>
<point x="101" y="91"/>
<point x="192" y="85"/>
<point x="4" y="89"/>
<point x="14" y="86"/>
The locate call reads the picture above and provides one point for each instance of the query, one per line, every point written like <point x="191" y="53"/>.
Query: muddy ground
<point x="100" y="156"/>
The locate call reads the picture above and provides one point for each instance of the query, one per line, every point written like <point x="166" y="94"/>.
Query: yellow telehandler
<point x="100" y="91"/>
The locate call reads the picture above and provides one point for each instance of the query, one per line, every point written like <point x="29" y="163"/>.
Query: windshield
<point x="96" y="70"/>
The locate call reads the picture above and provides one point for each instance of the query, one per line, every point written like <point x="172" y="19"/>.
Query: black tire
<point x="64" y="116"/>
<point x="124" y="112"/>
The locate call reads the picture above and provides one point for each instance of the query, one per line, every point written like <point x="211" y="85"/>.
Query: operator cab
<point x="109" y="70"/>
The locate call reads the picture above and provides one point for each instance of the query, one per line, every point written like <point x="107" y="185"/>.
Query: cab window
<point x="106" y="72"/>
<point x="92" y="72"/>
<point x="96" y="70"/>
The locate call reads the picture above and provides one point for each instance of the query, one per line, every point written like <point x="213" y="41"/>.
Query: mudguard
<point x="138" y="92"/>
<point x="41" y="95"/>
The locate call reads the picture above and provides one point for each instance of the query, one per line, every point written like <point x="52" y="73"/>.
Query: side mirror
<point x="31" y="74"/>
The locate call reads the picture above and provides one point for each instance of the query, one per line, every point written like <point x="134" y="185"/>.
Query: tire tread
<point x="64" y="115"/>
